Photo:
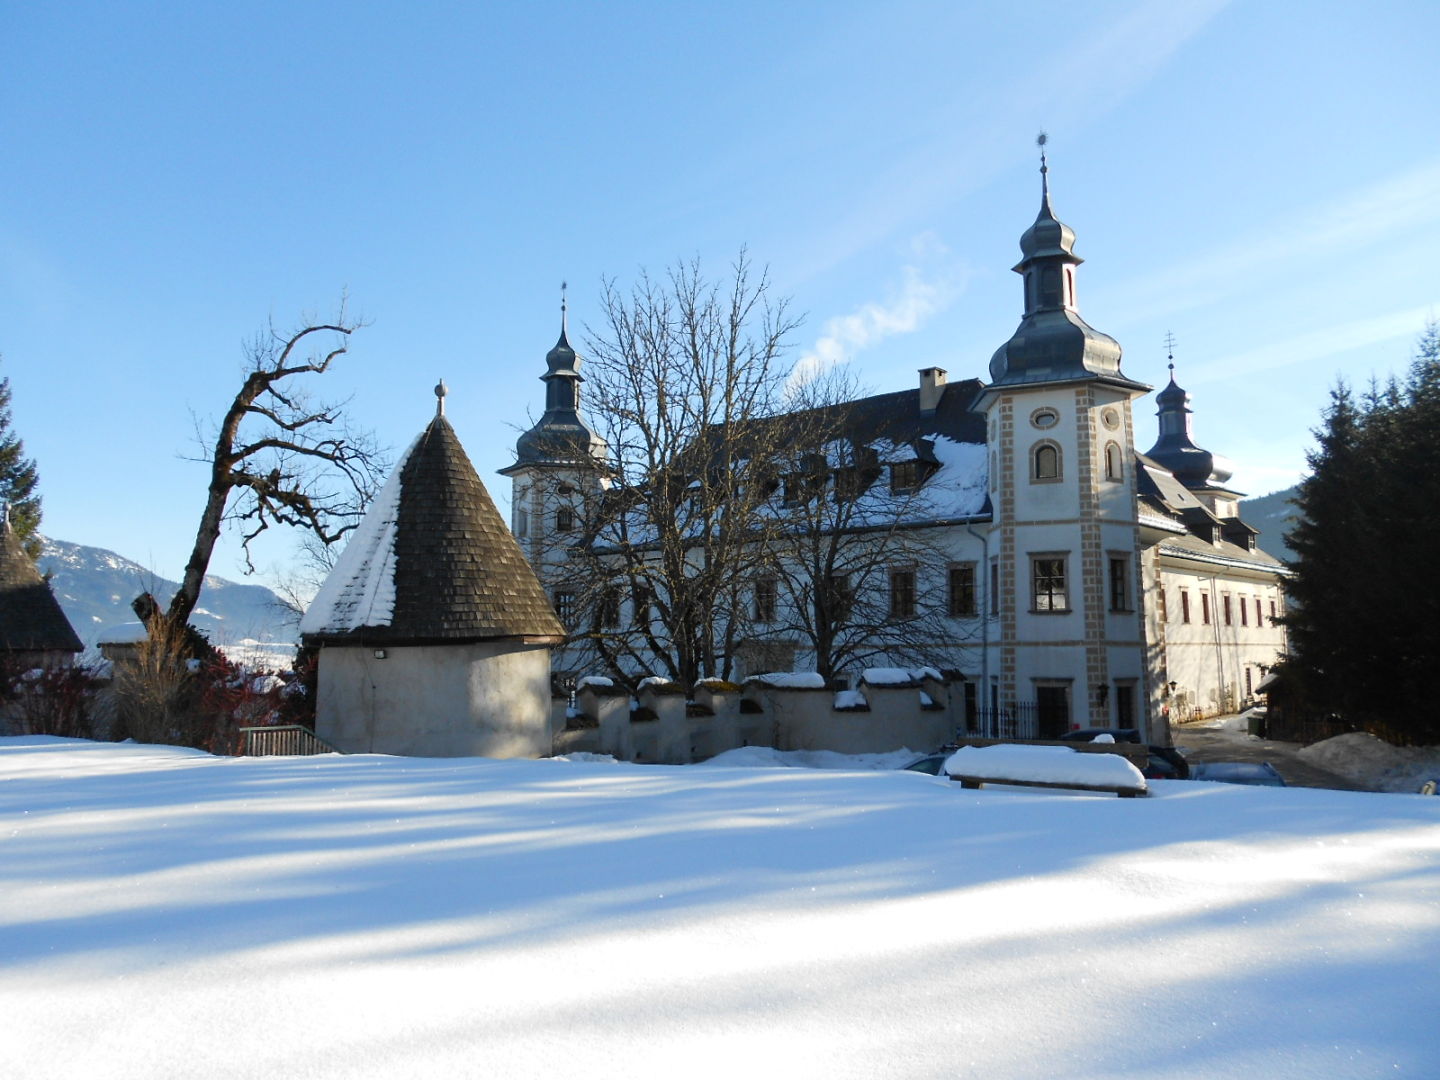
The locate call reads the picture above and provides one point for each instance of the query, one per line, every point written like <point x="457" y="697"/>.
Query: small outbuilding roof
<point x="433" y="562"/>
<point x="31" y="619"/>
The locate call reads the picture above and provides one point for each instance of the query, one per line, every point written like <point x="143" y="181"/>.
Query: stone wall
<point x="667" y="725"/>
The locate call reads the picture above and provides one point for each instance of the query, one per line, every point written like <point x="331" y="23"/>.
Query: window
<point x="522" y="523"/>
<point x="564" y="519"/>
<point x="565" y="607"/>
<point x="1050" y="287"/>
<point x="994" y="586"/>
<point x="1225" y="607"/>
<point x="1113" y="469"/>
<point x="904" y="477"/>
<point x="607" y="608"/>
<point x="1244" y="613"/>
<point x="1184" y="605"/>
<point x="640" y="606"/>
<point x="1124" y="704"/>
<point x="1259" y="618"/>
<point x="1048" y="583"/>
<point x="962" y="590"/>
<point x="1120" y="584"/>
<point x="765" y="600"/>
<point x="902" y="594"/>
<point x="838" y="597"/>
<point x="1045" y="462"/>
<point x="1205" y="608"/>
<point x="1272" y="611"/>
<point x="1248" y="690"/>
<point x="847" y="483"/>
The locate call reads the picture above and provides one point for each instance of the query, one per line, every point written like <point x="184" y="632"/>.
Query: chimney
<point x="932" y="386"/>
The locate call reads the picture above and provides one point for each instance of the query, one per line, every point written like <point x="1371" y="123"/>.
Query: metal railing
<point x="282" y="740"/>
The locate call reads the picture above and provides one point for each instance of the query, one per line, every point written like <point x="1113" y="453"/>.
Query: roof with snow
<point x="31" y="619"/>
<point x="432" y="562"/>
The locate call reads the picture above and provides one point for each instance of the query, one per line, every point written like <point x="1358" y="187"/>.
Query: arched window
<point x="1114" y="470"/>
<point x="1045" y="462"/>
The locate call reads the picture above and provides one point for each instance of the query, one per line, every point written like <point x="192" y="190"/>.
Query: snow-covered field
<point x="168" y="914"/>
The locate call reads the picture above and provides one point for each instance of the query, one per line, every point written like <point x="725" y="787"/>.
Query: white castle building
<point x="1084" y="584"/>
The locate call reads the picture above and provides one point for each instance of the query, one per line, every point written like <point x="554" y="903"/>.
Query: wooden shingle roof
<point x="30" y="617"/>
<point x="458" y="573"/>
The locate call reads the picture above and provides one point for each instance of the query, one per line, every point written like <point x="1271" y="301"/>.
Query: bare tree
<point x="680" y="368"/>
<point x="279" y="458"/>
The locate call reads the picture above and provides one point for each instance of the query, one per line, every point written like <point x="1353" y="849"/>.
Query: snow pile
<point x="660" y="682"/>
<point x="125" y="633"/>
<point x="850" y="699"/>
<point x="1365" y="759"/>
<point x="360" y="590"/>
<point x="958" y="489"/>
<point x="595" y="680"/>
<point x="1043" y="764"/>
<point x="791" y="680"/>
<point x="164" y="913"/>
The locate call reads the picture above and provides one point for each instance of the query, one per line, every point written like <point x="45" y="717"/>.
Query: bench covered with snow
<point x="1045" y="766"/>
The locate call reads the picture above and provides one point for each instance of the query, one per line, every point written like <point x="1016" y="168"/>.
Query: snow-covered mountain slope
<point x="95" y="587"/>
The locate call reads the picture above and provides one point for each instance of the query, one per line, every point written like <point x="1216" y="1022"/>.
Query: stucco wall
<point x="486" y="699"/>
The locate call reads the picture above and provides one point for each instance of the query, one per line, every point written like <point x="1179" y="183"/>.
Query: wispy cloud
<point x="1067" y="87"/>
<point x="1397" y="205"/>
<point x="1315" y="345"/>
<point x="919" y="295"/>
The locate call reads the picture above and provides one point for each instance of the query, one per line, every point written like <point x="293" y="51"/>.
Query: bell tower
<point x="1064" y="539"/>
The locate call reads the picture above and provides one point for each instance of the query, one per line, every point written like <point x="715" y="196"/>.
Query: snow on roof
<point x="888" y="676"/>
<point x="594" y="680"/>
<point x="360" y="590"/>
<point x="1043" y="764"/>
<point x="791" y="680"/>
<point x="958" y="488"/>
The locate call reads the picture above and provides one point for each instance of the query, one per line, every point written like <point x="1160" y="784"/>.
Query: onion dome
<point x="1175" y="449"/>
<point x="561" y="436"/>
<point x="1053" y="343"/>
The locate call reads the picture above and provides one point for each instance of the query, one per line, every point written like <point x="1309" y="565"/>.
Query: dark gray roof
<point x="30" y="617"/>
<point x="459" y="574"/>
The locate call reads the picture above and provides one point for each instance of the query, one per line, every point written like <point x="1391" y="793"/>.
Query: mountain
<point x="95" y="587"/>
<point x="1273" y="515"/>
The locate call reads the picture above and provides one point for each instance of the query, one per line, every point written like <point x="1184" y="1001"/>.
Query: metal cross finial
<point x="1040" y="141"/>
<point x="1170" y="351"/>
<point x="440" y="391"/>
<point x="564" y="319"/>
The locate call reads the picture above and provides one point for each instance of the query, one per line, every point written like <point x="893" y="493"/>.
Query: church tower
<point x="1064" y="543"/>
<point x="558" y="468"/>
<point x="1204" y="474"/>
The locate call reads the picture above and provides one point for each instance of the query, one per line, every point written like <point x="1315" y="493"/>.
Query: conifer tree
<point x="18" y="480"/>
<point x="1364" y="603"/>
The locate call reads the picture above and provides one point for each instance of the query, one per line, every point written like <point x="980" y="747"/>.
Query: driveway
<point x="1208" y="741"/>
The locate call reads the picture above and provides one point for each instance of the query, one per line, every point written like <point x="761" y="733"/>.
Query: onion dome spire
<point x="1175" y="449"/>
<point x="1053" y="343"/>
<point x="561" y="436"/>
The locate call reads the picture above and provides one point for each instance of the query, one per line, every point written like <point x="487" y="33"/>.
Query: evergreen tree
<point x="18" y="480"/>
<point x="1365" y="599"/>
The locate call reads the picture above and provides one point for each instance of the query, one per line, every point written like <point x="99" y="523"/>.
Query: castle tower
<point x="1064" y="543"/>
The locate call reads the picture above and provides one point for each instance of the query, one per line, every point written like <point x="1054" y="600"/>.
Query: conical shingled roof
<point x="31" y="619"/>
<point x="458" y="573"/>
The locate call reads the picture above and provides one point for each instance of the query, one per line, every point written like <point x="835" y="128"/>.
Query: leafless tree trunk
<point x="278" y="457"/>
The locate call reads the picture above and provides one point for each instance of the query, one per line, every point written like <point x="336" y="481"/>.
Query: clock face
<point x="1110" y="418"/>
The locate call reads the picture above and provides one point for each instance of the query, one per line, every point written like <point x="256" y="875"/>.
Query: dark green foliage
<point x="1365" y="600"/>
<point x="18" y="480"/>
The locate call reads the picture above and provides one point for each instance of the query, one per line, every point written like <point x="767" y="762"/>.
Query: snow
<point x="1045" y="764"/>
<point x="792" y="680"/>
<point x="654" y="680"/>
<point x="887" y="676"/>
<point x="594" y="680"/>
<point x="850" y="699"/>
<point x="360" y="590"/>
<point x="166" y="913"/>
<point x="958" y="488"/>
<point x="1373" y="762"/>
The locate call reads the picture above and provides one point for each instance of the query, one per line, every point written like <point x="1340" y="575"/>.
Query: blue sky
<point x="1262" y="179"/>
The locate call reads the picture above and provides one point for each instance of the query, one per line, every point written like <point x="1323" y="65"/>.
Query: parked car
<point x="1257" y="773"/>
<point x="930" y="764"/>
<point x="1166" y="762"/>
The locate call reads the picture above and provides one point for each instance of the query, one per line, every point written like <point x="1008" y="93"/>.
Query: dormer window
<point x="904" y="477"/>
